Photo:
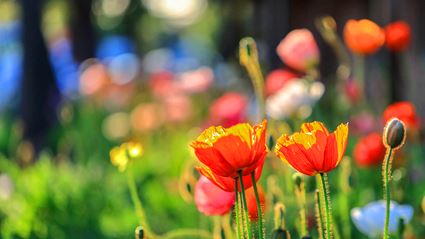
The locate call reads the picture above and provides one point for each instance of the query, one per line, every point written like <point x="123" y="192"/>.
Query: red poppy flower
<point x="370" y="150"/>
<point x="404" y="111"/>
<point x="363" y="36"/>
<point x="212" y="200"/>
<point x="227" y="151"/>
<point x="313" y="150"/>
<point x="397" y="35"/>
<point x="252" y="203"/>
<point x="277" y="79"/>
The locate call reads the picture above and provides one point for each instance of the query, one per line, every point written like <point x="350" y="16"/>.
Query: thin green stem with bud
<point x="327" y="200"/>
<point x="260" y="213"/>
<point x="245" y="206"/>
<point x="138" y="203"/>
<point x="387" y="175"/>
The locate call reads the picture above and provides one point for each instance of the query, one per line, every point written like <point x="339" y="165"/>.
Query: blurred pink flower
<point x="162" y="84"/>
<point x="196" y="81"/>
<point x="229" y="109"/>
<point x="363" y="123"/>
<point x="178" y="108"/>
<point x="277" y="79"/>
<point x="299" y="50"/>
<point x="93" y="79"/>
<point x="212" y="200"/>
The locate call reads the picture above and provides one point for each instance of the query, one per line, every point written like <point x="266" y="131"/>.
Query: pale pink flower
<point x="212" y="200"/>
<point x="299" y="50"/>
<point x="196" y="81"/>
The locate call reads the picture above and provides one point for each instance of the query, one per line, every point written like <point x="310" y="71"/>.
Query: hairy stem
<point x="328" y="213"/>
<point x="260" y="213"/>
<point x="245" y="205"/>
<point x="237" y="210"/>
<point x="386" y="175"/>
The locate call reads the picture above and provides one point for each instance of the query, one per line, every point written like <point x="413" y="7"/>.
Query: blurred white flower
<point x="6" y="187"/>
<point x="370" y="219"/>
<point x="295" y="97"/>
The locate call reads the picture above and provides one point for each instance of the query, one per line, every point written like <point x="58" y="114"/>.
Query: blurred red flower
<point x="299" y="50"/>
<point x="252" y="204"/>
<point x="369" y="150"/>
<point x="353" y="91"/>
<point x="313" y="150"/>
<point x="211" y="200"/>
<point x="277" y="79"/>
<point x="227" y="151"/>
<point x="363" y="36"/>
<point x="404" y="111"/>
<point x="229" y="109"/>
<point x="397" y="35"/>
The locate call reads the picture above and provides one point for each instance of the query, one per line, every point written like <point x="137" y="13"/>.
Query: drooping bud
<point x="281" y="234"/>
<point x="270" y="142"/>
<point x="394" y="134"/>
<point x="298" y="180"/>
<point x="139" y="233"/>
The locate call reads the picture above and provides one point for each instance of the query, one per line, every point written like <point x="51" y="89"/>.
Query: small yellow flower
<point x="121" y="155"/>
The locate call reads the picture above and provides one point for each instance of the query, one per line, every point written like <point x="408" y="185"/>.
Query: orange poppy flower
<point x="363" y="36"/>
<point x="228" y="183"/>
<point x="313" y="150"/>
<point x="226" y="151"/>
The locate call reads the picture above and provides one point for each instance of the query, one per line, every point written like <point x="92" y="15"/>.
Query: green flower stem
<point x="319" y="216"/>
<point x="327" y="206"/>
<point x="359" y="62"/>
<point x="237" y="210"/>
<point x="386" y="175"/>
<point x="245" y="205"/>
<point x="260" y="213"/>
<point x="187" y="233"/>
<point x="138" y="203"/>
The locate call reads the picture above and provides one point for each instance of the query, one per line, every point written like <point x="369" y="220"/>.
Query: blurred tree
<point x="82" y="31"/>
<point x="39" y="93"/>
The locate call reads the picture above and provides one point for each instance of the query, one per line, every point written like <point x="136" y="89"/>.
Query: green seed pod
<point x="139" y="233"/>
<point x="394" y="134"/>
<point x="281" y="234"/>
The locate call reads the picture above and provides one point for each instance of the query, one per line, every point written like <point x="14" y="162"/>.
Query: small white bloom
<point x="296" y="95"/>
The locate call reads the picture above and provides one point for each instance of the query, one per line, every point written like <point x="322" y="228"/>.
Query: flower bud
<point x="139" y="233"/>
<point x="394" y="134"/>
<point x="281" y="234"/>
<point x="298" y="180"/>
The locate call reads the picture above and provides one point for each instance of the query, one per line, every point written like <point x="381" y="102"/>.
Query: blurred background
<point x="80" y="76"/>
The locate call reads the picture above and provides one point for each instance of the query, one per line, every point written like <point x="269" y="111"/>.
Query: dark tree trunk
<point x="82" y="33"/>
<point x="39" y="94"/>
